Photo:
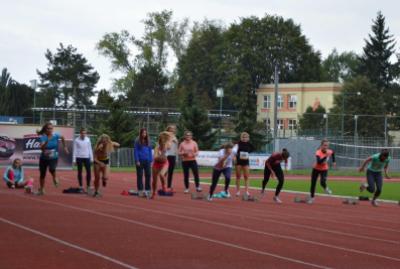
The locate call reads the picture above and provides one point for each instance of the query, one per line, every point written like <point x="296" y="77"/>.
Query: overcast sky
<point x="29" y="27"/>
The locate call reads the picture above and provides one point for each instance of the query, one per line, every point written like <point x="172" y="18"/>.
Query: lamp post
<point x="344" y="98"/>
<point x="33" y="83"/>
<point x="276" y="90"/>
<point x="220" y="94"/>
<point x="326" y="125"/>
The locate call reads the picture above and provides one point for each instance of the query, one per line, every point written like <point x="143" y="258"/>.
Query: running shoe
<point x="374" y="202"/>
<point x="328" y="191"/>
<point x="209" y="198"/>
<point x="186" y="191"/>
<point x="97" y="194"/>
<point x="237" y="193"/>
<point x="199" y="189"/>
<point x="277" y="200"/>
<point x="363" y="187"/>
<point x="227" y="194"/>
<point x="40" y="192"/>
<point x="56" y="182"/>
<point x="310" y="201"/>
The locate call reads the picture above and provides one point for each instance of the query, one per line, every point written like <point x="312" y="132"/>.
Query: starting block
<point x="298" y="199"/>
<point x="165" y="193"/>
<point x="250" y="198"/>
<point x="198" y="196"/>
<point x="350" y="201"/>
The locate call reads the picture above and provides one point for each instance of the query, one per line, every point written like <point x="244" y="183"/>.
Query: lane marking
<point x="68" y="244"/>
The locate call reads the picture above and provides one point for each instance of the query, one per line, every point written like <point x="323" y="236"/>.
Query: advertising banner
<point x="257" y="161"/>
<point x="21" y="141"/>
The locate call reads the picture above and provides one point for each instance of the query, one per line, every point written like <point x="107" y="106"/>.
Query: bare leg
<point x="238" y="176"/>
<point x="246" y="172"/>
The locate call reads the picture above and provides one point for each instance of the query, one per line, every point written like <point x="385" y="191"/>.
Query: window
<point x="267" y="123"/>
<point x="292" y="124"/>
<point x="292" y="101"/>
<point x="280" y="101"/>
<point x="280" y="124"/>
<point x="267" y="101"/>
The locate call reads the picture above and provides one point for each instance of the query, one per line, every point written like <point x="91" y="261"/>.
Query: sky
<point x="28" y="28"/>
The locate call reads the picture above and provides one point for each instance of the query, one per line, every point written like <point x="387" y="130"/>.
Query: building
<point x="293" y="100"/>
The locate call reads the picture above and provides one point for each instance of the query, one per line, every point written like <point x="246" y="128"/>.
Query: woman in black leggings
<point x="273" y="169"/>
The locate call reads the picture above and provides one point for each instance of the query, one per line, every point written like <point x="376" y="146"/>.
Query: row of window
<point x="291" y="124"/>
<point x="292" y="101"/>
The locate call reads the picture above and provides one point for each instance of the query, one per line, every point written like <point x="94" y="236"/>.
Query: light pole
<point x="276" y="90"/>
<point x="326" y="125"/>
<point x="343" y="100"/>
<point x="33" y="83"/>
<point x="220" y="94"/>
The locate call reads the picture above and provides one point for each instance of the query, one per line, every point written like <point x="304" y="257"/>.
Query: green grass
<point x="391" y="190"/>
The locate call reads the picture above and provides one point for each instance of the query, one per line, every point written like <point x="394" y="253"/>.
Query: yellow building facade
<point x="293" y="100"/>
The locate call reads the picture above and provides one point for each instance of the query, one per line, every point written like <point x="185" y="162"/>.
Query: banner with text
<point x="257" y="161"/>
<point x="21" y="141"/>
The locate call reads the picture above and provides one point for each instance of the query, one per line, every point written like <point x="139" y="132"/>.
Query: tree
<point x="69" y="78"/>
<point x="104" y="99"/>
<point x="198" y="68"/>
<point x="312" y="121"/>
<point x="246" y="122"/>
<point x="375" y="63"/>
<point x="340" y="67"/>
<point x="15" y="98"/>
<point x="119" y="125"/>
<point x="150" y="88"/>
<point x="131" y="55"/>
<point x="369" y="102"/>
<point x="195" y="119"/>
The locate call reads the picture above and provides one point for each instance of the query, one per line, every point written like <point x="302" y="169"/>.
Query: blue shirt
<point x="18" y="175"/>
<point x="51" y="150"/>
<point x="142" y="152"/>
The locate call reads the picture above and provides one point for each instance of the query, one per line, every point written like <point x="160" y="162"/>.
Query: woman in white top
<point x="83" y="155"/>
<point x="172" y="153"/>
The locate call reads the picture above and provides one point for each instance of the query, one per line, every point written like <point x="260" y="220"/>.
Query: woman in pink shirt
<point x="188" y="150"/>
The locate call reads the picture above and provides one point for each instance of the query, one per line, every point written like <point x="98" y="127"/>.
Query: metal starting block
<point x="250" y="198"/>
<point x="198" y="196"/>
<point x="298" y="199"/>
<point x="350" y="201"/>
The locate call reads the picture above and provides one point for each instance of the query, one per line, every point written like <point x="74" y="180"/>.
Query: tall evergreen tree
<point x="377" y="64"/>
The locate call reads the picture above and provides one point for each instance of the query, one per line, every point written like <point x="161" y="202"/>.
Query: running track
<point x="77" y="231"/>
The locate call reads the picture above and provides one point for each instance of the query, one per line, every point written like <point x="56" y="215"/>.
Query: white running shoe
<point x="374" y="203"/>
<point x="209" y="198"/>
<point x="310" y="201"/>
<point x="237" y="193"/>
<point x="277" y="200"/>
<point x="186" y="191"/>
<point x="199" y="189"/>
<point x="227" y="194"/>
<point x="328" y="191"/>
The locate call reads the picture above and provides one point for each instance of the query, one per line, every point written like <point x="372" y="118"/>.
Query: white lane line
<point x="218" y="242"/>
<point x="60" y="241"/>
<point x="369" y="238"/>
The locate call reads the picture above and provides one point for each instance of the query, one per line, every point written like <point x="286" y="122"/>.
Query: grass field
<point x="391" y="190"/>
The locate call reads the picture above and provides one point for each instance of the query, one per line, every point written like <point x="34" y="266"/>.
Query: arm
<point x="43" y="142"/>
<point x="115" y="144"/>
<point x="5" y="176"/>
<point x="64" y="145"/>
<point x="96" y="161"/>
<point x="320" y="160"/>
<point x="333" y="159"/>
<point x="385" y="169"/>
<point x="150" y="154"/>
<point x="268" y="166"/>
<point x="90" y="150"/>
<point x="364" y="164"/>
<point x="196" y="150"/>
<point x="74" y="152"/>
<point x="180" y="150"/>
<point x="22" y="175"/>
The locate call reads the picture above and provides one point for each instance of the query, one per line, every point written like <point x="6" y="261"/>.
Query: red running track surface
<point x="76" y="231"/>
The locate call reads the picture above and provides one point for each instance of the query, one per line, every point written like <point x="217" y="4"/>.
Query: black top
<point x="242" y="155"/>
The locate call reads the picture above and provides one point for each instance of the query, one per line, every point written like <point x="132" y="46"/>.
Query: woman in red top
<point x="160" y="164"/>
<point x="321" y="168"/>
<point x="273" y="169"/>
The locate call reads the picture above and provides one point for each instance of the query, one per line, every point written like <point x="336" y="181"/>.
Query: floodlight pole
<point x="276" y="80"/>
